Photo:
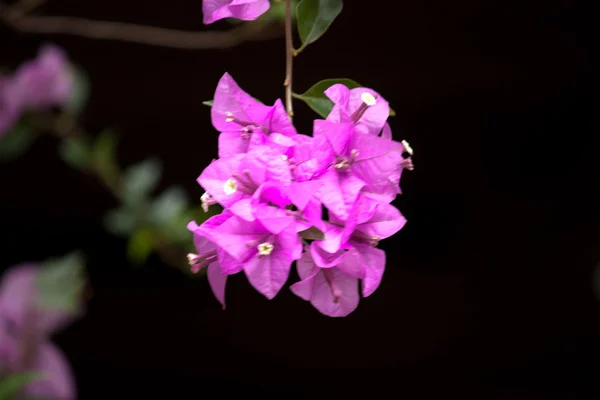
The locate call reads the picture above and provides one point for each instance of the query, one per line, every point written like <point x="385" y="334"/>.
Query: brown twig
<point x="16" y="17"/>
<point x="289" y="58"/>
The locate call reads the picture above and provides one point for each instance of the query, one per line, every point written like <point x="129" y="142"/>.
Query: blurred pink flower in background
<point x="26" y="324"/>
<point x="42" y="83"/>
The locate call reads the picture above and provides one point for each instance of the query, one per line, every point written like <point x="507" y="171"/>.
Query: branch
<point x="20" y="21"/>
<point x="289" y="60"/>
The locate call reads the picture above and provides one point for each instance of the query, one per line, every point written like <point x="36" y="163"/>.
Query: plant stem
<point x="17" y="17"/>
<point x="289" y="58"/>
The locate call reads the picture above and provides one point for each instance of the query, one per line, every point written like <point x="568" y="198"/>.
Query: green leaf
<point x="61" y="283"/>
<point x="80" y="93"/>
<point x="12" y="384"/>
<point x="103" y="157"/>
<point x="275" y="13"/>
<point x="140" y="180"/>
<point x="16" y="142"/>
<point x="316" y="99"/>
<point x="167" y="205"/>
<point x="312" y="233"/>
<point x="76" y="151"/>
<point x="140" y="246"/>
<point x="314" y="18"/>
<point x="119" y="222"/>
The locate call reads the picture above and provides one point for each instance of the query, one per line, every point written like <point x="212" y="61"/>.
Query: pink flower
<point x="244" y="122"/>
<point x="332" y="289"/>
<point x="266" y="253"/>
<point x="46" y="81"/>
<point x="275" y="184"/>
<point x="25" y="329"/>
<point x="245" y="10"/>
<point x="361" y="106"/>
<point x="219" y="263"/>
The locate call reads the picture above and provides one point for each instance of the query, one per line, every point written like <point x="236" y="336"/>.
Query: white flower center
<point x="368" y="98"/>
<point x="264" y="249"/>
<point x="228" y="117"/>
<point x="407" y="147"/>
<point x="230" y="186"/>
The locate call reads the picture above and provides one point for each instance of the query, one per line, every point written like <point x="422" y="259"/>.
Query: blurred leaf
<point x="316" y="99"/>
<point x="17" y="141"/>
<point x="80" y="93"/>
<point x="61" y="282"/>
<point x="275" y="13"/>
<point x="75" y="151"/>
<point x="167" y="205"/>
<point x="312" y="233"/>
<point x="140" y="246"/>
<point x="140" y="180"/>
<point x="12" y="384"/>
<point x="103" y="157"/>
<point x="119" y="222"/>
<point x="314" y="18"/>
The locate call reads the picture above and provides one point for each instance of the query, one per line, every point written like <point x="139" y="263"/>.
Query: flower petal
<point x="306" y="270"/>
<point x="217" y="280"/>
<point x="231" y="143"/>
<point x="386" y="221"/>
<point x="214" y="176"/>
<point x="322" y="297"/>
<point x="278" y="121"/>
<point x="57" y="378"/>
<point x="339" y="192"/>
<point x="374" y="264"/>
<point x="268" y="273"/>
<point x="229" y="99"/>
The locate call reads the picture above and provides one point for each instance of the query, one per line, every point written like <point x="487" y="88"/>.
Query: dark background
<point x="488" y="290"/>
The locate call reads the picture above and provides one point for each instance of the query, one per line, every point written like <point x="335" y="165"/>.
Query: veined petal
<point x="374" y="264"/>
<point x="234" y="236"/>
<point x="322" y="258"/>
<point x="339" y="191"/>
<point x="278" y="120"/>
<point x="268" y="273"/>
<point x="214" y="177"/>
<point x="232" y="143"/>
<point x="230" y="101"/>
<point x="217" y="280"/>
<point x="386" y="221"/>
<point x="375" y="116"/>
<point x="338" y="135"/>
<point x="322" y="297"/>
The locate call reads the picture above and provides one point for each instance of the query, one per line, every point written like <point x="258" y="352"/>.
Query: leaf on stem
<point x="76" y="152"/>
<point x="140" y="180"/>
<point x="168" y="205"/>
<point x="119" y="222"/>
<point x="103" y="157"/>
<point x="316" y="99"/>
<point x="140" y="246"/>
<point x="61" y="283"/>
<point x="314" y="18"/>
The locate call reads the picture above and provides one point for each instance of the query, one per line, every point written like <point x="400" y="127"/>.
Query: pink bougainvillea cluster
<point x="321" y="201"/>
<point x="39" y="84"/>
